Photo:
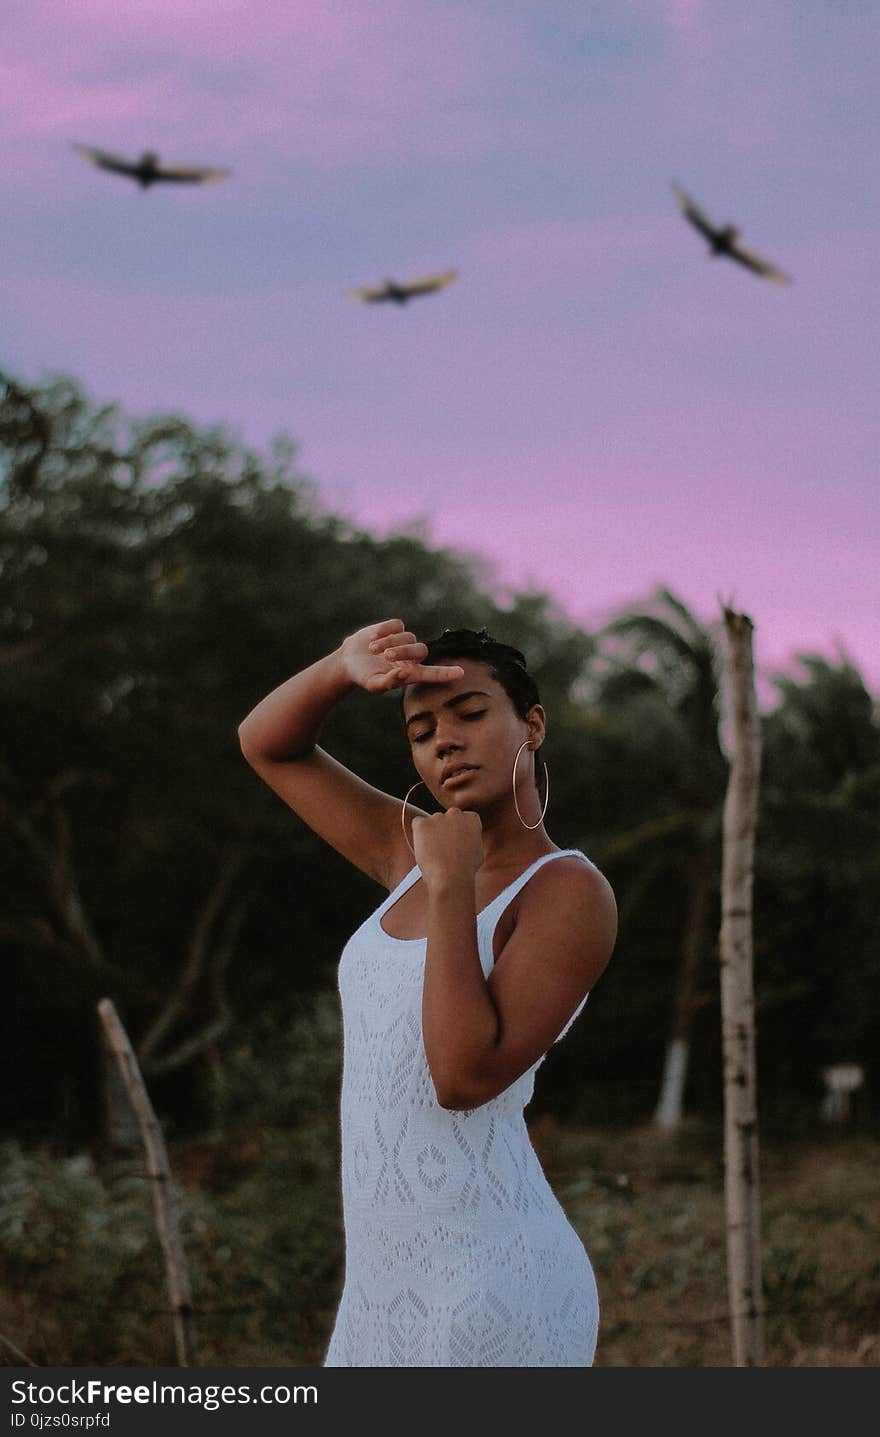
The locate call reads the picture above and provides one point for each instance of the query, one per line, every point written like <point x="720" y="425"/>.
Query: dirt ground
<point x="650" y="1210"/>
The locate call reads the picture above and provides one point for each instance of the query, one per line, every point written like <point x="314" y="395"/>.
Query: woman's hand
<point x="448" y="846"/>
<point x="387" y="656"/>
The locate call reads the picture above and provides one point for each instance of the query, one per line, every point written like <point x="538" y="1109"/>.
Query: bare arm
<point x="481" y="1034"/>
<point x="279" y="740"/>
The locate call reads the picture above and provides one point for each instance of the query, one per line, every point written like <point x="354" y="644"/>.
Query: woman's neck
<point x="510" y="845"/>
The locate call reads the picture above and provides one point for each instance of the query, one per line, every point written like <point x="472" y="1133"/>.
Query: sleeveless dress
<point x="457" y="1252"/>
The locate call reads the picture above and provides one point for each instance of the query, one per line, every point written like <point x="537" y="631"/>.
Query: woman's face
<point x="464" y="735"/>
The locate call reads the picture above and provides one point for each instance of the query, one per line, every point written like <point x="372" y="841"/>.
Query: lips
<point x="458" y="770"/>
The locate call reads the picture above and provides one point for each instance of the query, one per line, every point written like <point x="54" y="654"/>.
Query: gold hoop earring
<point x="530" y="826"/>
<point x="417" y="784"/>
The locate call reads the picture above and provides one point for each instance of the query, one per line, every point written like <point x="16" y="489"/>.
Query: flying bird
<point x="147" y="170"/>
<point x="409" y="289"/>
<point x="724" y="240"/>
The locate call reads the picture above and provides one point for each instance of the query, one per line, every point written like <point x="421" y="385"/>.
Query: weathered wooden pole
<point x="741" y="1185"/>
<point x="159" y="1173"/>
<point x="17" y="1352"/>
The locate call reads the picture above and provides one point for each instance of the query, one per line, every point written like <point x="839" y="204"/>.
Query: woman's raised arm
<point x="279" y="740"/>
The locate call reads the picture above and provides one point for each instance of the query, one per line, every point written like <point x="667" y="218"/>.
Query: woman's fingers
<point x="409" y="671"/>
<point x="392" y="642"/>
<point x="436" y="673"/>
<point x="397" y="677"/>
<point x="381" y="633"/>
<point x="407" y="649"/>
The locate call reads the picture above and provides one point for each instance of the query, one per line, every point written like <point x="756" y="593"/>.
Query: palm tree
<point x="818" y="871"/>
<point x="662" y="681"/>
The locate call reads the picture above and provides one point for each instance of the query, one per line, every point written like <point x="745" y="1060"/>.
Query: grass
<point x="81" y="1278"/>
<point x="650" y="1210"/>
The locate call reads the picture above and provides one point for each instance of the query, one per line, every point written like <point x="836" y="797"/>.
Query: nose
<point x="445" y="742"/>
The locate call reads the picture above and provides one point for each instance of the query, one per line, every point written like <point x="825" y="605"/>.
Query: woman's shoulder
<point x="568" y="914"/>
<point x="571" y="881"/>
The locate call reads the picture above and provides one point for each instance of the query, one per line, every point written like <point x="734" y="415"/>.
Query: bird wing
<point x="429" y="283"/>
<point x="116" y="163"/>
<point x="367" y="294"/>
<point x="691" y="210"/>
<point x="191" y="174"/>
<point x="760" y="266"/>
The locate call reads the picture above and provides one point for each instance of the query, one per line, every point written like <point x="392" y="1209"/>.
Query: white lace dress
<point x="457" y="1252"/>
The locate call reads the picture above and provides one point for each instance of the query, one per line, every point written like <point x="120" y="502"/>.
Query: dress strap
<point x="488" y="919"/>
<point x="495" y="909"/>
<point x="405" y="883"/>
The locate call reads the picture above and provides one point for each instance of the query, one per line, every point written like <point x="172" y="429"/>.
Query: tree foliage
<point x="156" y="580"/>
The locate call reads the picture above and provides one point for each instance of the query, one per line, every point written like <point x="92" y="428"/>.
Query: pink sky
<point x="595" y="405"/>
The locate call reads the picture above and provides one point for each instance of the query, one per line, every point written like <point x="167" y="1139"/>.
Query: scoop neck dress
<point x="457" y="1251"/>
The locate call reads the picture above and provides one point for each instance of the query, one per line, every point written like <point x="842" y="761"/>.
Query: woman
<point x="457" y="1252"/>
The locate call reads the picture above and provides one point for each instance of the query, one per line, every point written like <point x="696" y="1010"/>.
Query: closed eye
<point x="468" y="717"/>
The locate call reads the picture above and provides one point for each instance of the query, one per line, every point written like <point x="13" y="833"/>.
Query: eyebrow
<point x="448" y="704"/>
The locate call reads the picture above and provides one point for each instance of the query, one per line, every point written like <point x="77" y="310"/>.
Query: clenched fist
<point x="448" y="845"/>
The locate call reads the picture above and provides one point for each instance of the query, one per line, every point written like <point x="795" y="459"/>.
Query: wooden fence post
<point x="159" y="1173"/>
<point x="741" y="1185"/>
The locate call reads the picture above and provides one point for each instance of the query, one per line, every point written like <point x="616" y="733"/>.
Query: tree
<point x="155" y="582"/>
<point x="817" y="874"/>
<point x="662" y="679"/>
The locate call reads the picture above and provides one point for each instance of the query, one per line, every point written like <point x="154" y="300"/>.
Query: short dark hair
<point x="505" y="663"/>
